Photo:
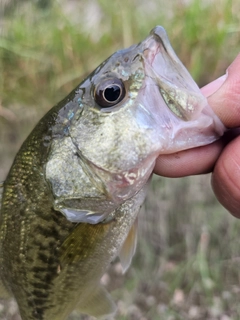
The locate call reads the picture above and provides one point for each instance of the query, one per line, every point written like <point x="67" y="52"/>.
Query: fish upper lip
<point x="157" y="37"/>
<point x="159" y="34"/>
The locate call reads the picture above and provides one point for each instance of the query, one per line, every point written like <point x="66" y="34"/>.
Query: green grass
<point x="187" y="261"/>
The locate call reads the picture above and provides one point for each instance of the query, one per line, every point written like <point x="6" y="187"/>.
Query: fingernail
<point x="214" y="86"/>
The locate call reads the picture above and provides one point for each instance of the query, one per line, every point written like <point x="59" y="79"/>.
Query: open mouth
<point x="180" y="93"/>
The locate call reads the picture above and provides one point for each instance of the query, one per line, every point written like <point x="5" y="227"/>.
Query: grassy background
<point x="188" y="255"/>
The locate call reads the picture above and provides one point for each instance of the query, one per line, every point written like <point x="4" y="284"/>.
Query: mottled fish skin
<point x="45" y="259"/>
<point x="75" y="188"/>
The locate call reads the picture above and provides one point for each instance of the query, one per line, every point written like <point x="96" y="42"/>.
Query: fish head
<point x="139" y="103"/>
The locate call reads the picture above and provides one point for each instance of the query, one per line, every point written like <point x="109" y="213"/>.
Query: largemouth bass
<point x="71" y="199"/>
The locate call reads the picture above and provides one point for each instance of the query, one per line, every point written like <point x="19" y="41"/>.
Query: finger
<point x="226" y="177"/>
<point x="226" y="100"/>
<point x="188" y="162"/>
<point x="193" y="161"/>
<point x="213" y="86"/>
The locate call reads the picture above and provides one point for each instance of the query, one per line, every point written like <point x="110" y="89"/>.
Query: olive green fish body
<point x="50" y="262"/>
<point x="29" y="222"/>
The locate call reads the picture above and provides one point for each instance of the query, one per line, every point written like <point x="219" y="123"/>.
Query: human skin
<point x="222" y="158"/>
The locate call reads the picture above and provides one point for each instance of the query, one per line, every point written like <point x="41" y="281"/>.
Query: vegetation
<point x="187" y="261"/>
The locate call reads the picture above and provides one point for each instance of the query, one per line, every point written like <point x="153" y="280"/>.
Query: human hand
<point x="221" y="157"/>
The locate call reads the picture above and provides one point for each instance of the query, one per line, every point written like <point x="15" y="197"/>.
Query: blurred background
<point x="188" y="254"/>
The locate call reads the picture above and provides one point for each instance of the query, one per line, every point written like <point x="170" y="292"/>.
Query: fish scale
<point x="41" y="282"/>
<point x="37" y="230"/>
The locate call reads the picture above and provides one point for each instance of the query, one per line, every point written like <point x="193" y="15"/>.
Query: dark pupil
<point x="112" y="93"/>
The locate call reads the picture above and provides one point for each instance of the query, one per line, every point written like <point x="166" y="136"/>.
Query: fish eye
<point x="109" y="92"/>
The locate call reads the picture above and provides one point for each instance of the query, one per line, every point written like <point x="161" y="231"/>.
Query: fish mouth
<point x="177" y="88"/>
<point x="180" y="115"/>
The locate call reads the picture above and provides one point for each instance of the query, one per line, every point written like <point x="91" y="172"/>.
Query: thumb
<point x="224" y="95"/>
<point x="225" y="102"/>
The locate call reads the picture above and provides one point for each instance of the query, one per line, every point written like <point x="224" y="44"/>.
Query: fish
<point x="70" y="202"/>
